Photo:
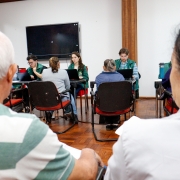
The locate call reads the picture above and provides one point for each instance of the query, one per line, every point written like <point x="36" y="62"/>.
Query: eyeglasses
<point x="30" y="63"/>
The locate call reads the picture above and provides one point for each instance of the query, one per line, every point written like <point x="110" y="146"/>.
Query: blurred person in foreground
<point x="28" y="148"/>
<point x="149" y="148"/>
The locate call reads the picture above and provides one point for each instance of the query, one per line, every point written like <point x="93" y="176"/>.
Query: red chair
<point x="21" y="70"/>
<point x="169" y="104"/>
<point x="13" y="102"/>
<point x="45" y="97"/>
<point x="111" y="99"/>
<point x="81" y="93"/>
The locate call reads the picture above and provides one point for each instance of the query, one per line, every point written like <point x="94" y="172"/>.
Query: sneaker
<point x="27" y="109"/>
<point x="115" y="126"/>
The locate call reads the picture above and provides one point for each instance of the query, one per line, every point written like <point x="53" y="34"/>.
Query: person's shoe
<point x="68" y="115"/>
<point x="48" y="116"/>
<point x="27" y="109"/>
<point x="114" y="126"/>
<point x="76" y="118"/>
<point x="109" y="127"/>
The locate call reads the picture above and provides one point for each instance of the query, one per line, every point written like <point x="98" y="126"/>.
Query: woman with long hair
<point x="60" y="78"/>
<point x="76" y="63"/>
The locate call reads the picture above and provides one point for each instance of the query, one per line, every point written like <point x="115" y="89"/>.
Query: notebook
<point x="127" y="73"/>
<point x="73" y="74"/>
<point x="24" y="76"/>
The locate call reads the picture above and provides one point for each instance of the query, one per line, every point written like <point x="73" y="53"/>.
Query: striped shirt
<point x="30" y="150"/>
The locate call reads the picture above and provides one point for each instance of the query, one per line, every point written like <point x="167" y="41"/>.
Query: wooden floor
<point x="81" y="136"/>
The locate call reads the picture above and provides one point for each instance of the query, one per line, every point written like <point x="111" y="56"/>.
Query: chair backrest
<point x="114" y="96"/>
<point x="43" y="94"/>
<point x="166" y="66"/>
<point x="21" y="70"/>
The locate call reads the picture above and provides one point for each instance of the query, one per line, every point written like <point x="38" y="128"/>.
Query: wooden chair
<point x="111" y="99"/>
<point x="45" y="97"/>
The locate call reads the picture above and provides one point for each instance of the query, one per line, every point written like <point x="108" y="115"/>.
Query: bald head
<point x="6" y="55"/>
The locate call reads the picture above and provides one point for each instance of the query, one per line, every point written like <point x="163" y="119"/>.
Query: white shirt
<point x="147" y="149"/>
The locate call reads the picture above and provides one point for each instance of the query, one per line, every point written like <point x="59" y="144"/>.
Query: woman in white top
<point x="149" y="148"/>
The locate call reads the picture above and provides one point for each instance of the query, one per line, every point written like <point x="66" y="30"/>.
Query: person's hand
<point x="80" y="77"/>
<point x="34" y="69"/>
<point x="32" y="77"/>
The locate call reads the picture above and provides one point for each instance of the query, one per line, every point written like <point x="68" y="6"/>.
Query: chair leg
<point x="74" y="123"/>
<point x="81" y="104"/>
<point x="93" y="130"/>
<point x="86" y="103"/>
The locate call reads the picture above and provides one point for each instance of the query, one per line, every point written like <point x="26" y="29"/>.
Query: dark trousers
<point x="109" y="119"/>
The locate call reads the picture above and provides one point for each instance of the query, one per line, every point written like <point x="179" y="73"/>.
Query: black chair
<point x="111" y="99"/>
<point x="101" y="172"/>
<point x="169" y="104"/>
<point x="45" y="97"/>
<point x="16" y="103"/>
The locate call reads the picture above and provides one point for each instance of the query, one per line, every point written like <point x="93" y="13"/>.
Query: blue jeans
<point x="72" y="102"/>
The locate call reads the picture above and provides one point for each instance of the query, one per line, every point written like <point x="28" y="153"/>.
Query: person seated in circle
<point x="76" y="63"/>
<point x="61" y="80"/>
<point x="35" y="70"/>
<point x="125" y="63"/>
<point x="149" y="148"/>
<point x="109" y="74"/>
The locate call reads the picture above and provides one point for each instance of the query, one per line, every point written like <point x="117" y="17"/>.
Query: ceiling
<point x="4" y="1"/>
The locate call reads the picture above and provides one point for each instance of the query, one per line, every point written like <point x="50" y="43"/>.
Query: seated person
<point x="35" y="70"/>
<point x="76" y="63"/>
<point x="149" y="148"/>
<point x="60" y="78"/>
<point x="125" y="63"/>
<point x="109" y="75"/>
<point x="29" y="148"/>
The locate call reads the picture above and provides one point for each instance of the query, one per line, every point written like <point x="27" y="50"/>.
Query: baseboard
<point x="144" y="97"/>
<point x="141" y="97"/>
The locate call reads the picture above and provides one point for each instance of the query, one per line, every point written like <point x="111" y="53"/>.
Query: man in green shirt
<point x="35" y="70"/>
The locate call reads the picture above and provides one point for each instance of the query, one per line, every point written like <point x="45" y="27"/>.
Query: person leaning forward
<point x="35" y="70"/>
<point x="125" y="63"/>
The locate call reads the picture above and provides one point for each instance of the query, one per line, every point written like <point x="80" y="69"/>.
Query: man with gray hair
<point x="28" y="148"/>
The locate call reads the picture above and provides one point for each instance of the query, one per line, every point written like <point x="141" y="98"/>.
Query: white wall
<point x="157" y="21"/>
<point x="100" y="36"/>
<point x="100" y="22"/>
